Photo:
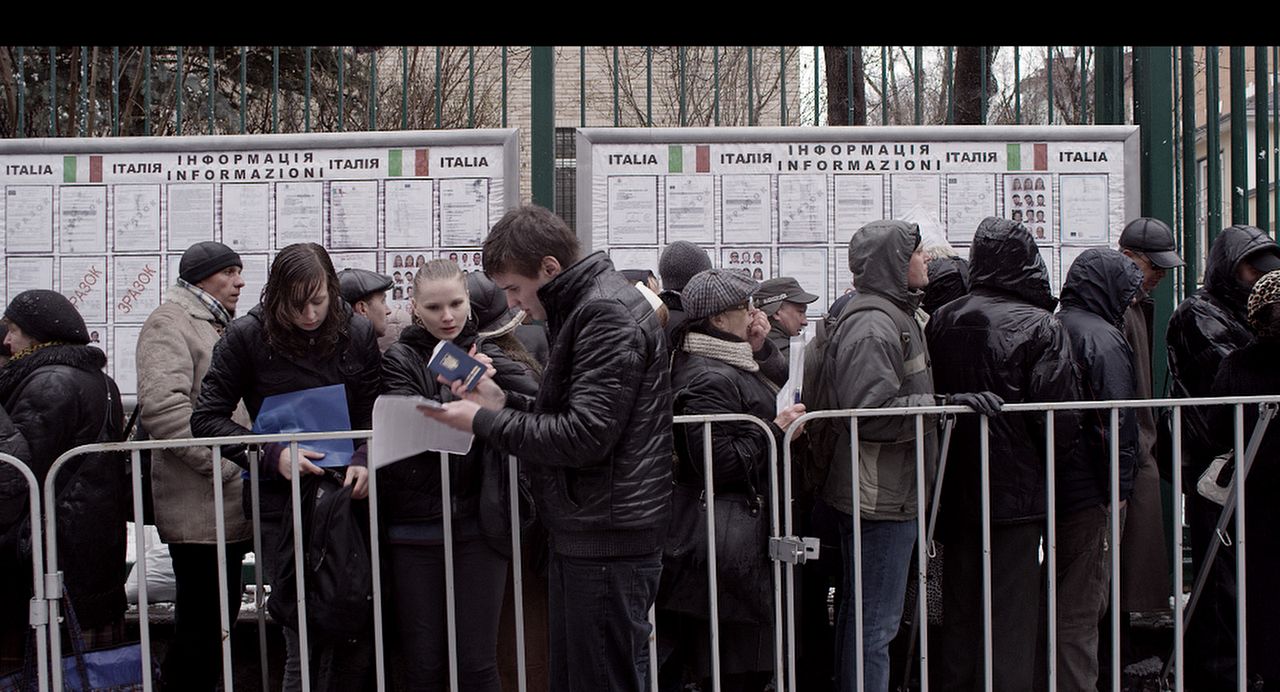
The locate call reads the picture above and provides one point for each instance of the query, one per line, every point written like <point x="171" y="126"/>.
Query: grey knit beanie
<point x="680" y="261"/>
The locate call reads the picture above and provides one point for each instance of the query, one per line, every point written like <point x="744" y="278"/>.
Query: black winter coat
<point x="1204" y="328"/>
<point x="409" y="490"/>
<point x="245" y="366"/>
<point x="948" y="280"/>
<point x="1098" y="290"/>
<point x="1003" y="338"/>
<point x="59" y="398"/>
<point x="598" y="436"/>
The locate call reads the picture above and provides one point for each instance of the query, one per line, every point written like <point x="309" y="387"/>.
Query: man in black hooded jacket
<point x="1001" y="338"/>
<point x="1098" y="290"/>
<point x="1205" y="327"/>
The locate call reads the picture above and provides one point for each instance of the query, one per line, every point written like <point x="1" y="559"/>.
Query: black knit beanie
<point x="205" y="258"/>
<point x="45" y="316"/>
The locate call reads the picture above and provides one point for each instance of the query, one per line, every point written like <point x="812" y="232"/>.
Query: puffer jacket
<point x="874" y="368"/>
<point x="1098" y="290"/>
<point x="244" y="366"/>
<point x="409" y="490"/>
<point x="1003" y="338"/>
<point x="948" y="280"/>
<point x="59" y="398"/>
<point x="598" y="436"/>
<point x="1204" y="328"/>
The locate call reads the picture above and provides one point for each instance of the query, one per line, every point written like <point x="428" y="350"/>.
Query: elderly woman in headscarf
<point x="1251" y="370"/>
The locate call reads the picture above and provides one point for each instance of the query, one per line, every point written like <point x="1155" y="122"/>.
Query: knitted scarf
<point x="735" y="353"/>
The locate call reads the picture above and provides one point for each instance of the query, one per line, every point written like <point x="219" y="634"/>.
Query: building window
<point x="566" y="176"/>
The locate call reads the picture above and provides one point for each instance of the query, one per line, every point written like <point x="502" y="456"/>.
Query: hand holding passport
<point x="453" y="365"/>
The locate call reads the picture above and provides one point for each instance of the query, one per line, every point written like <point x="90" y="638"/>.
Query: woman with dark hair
<point x="413" y="506"/>
<point x="302" y="335"/>
<point x="714" y="370"/>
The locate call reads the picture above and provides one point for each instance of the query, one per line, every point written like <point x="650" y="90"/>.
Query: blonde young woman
<point x="412" y="505"/>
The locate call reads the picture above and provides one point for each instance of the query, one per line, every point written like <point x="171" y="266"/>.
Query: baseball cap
<point x="775" y="291"/>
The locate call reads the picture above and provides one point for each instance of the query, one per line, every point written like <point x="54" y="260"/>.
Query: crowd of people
<point x="585" y="367"/>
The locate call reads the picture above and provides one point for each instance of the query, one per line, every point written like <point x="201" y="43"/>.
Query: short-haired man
<point x="785" y="303"/>
<point x="366" y="291"/>
<point x="173" y="353"/>
<point x="597" y="441"/>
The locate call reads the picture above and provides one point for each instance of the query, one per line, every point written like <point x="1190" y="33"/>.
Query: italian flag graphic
<point x="402" y="162"/>
<point x="1028" y="157"/>
<point x="82" y="169"/>
<point x="689" y="158"/>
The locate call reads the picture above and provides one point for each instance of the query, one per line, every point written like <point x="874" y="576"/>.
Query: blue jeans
<point x="886" y="559"/>
<point x="598" y="617"/>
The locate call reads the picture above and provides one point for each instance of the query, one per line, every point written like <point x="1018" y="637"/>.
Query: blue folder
<point x="319" y="409"/>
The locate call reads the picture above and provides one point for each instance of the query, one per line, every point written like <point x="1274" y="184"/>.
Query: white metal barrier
<point x="786" y="547"/>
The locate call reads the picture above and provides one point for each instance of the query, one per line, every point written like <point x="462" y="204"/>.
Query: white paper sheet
<point x="401" y="431"/>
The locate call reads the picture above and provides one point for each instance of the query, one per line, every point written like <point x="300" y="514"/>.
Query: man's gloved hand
<point x="986" y="403"/>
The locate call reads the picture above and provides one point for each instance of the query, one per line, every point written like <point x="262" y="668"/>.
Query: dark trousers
<point x="418" y="583"/>
<point x="194" y="660"/>
<point x="597" y="611"/>
<point x="1016" y="586"/>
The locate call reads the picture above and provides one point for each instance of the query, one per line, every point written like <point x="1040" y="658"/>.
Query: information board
<point x="105" y="221"/>
<point x="785" y="201"/>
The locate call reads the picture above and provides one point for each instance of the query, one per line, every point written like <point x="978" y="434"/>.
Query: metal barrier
<point x="38" y="613"/>
<point x="785" y="547"/>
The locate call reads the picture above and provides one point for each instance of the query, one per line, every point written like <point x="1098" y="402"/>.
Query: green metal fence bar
<point x="439" y="73"/>
<point x="504" y="86"/>
<point x="1049" y="69"/>
<point x="341" y="57"/>
<point x="1262" y="138"/>
<point x="275" y="88"/>
<point x="542" y="144"/>
<point x="883" y="85"/>
<point x="950" y="85"/>
<point x="617" y="113"/>
<point x="751" y="87"/>
<point x="1190" y="224"/>
<point x="782" y="83"/>
<point x="53" y="91"/>
<point x="177" y="92"/>
<point x="211" y="88"/>
<point x="848" y="97"/>
<point x="1275" y="124"/>
<point x="404" y="86"/>
<point x="1153" y="112"/>
<point x="715" y="72"/>
<point x="917" y="76"/>
<point x="1213" y="150"/>
<point x="1239" y="138"/>
<point x="1017" y="86"/>
<point x="648" y="86"/>
<point x="373" y="90"/>
<point x="1084" y="82"/>
<point x="1179" y="177"/>
<point x="306" y="89"/>
<point x="115" y="91"/>
<point x="146" y="79"/>
<point x="244" y="90"/>
<point x="816" y="85"/>
<point x="22" y="95"/>
<point x="982" y="116"/>
<point x="83" y="107"/>
<point x="471" y="86"/>
<point x="582" y="86"/>
<point x="683" y="94"/>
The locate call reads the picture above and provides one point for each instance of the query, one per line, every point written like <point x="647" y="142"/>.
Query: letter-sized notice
<point x="246" y="214"/>
<point x="747" y="209"/>
<point x="137" y="217"/>
<point x="690" y="209"/>
<point x="191" y="214"/>
<point x="633" y="209"/>
<point x="299" y="217"/>
<point x="353" y="213"/>
<point x="401" y="431"/>
<point x="82" y="218"/>
<point x="28" y="218"/>
<point x="409" y="213"/>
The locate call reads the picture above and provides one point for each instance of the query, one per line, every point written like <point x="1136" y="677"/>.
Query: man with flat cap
<point x="784" y="303"/>
<point x="1144" y="561"/>
<point x="173" y="353"/>
<point x="366" y="291"/>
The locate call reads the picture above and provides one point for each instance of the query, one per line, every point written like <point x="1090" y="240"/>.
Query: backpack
<point x="339" y="578"/>
<point x="816" y="392"/>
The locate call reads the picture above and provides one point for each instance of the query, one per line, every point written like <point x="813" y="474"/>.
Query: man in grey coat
<point x="173" y="353"/>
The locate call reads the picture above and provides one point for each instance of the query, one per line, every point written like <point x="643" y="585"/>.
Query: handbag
<point x="1215" y="483"/>
<point x="114" y="669"/>
<point x="744" y="578"/>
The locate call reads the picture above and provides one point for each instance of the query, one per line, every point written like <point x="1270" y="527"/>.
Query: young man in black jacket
<point x="597" y="440"/>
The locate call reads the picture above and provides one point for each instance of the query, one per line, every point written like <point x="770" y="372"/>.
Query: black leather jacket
<point x="59" y="398"/>
<point x="1003" y="338"/>
<point x="244" y="366"/>
<point x="598" y="436"/>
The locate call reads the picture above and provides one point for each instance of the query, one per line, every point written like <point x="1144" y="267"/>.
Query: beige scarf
<point x="735" y="353"/>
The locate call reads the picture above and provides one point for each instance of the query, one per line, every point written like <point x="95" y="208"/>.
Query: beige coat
<point x="173" y="354"/>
